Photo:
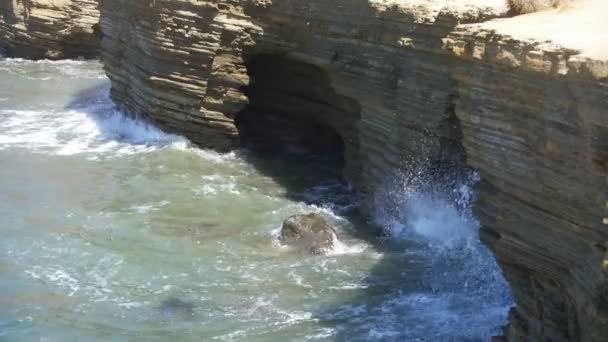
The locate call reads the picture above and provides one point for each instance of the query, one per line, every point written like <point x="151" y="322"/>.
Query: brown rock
<point x="402" y="83"/>
<point x="52" y="29"/>
<point x="309" y="233"/>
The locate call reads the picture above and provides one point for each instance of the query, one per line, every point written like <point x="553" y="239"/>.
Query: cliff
<point x="393" y="83"/>
<point x="51" y="29"/>
<point x="534" y="123"/>
<point x="534" y="118"/>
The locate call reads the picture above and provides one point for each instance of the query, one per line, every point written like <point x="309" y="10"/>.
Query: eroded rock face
<point x="534" y="123"/>
<point x="402" y="83"/>
<point x="52" y="29"/>
<point x="308" y="233"/>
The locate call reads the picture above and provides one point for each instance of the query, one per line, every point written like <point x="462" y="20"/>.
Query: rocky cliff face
<point x="51" y="29"/>
<point x="400" y="83"/>
<point x="534" y="123"/>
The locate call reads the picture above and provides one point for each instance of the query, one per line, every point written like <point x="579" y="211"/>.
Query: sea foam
<point x="465" y="295"/>
<point x="91" y="125"/>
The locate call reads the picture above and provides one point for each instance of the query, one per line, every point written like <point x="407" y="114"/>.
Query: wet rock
<point x="309" y="233"/>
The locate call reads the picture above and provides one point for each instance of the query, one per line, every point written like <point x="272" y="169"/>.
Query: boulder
<point x="309" y="233"/>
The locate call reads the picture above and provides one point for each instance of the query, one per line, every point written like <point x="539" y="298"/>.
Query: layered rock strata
<point x="403" y="84"/>
<point x="50" y="29"/>
<point x="535" y="124"/>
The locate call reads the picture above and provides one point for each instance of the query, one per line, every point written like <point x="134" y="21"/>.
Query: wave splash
<point x="464" y="295"/>
<point x="90" y="125"/>
<point x="437" y="211"/>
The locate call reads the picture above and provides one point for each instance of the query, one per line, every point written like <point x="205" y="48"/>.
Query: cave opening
<point x="295" y="114"/>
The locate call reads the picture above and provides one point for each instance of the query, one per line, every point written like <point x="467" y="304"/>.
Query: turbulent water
<point x="113" y="230"/>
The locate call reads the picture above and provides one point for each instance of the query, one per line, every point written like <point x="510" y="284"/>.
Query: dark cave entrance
<point x="294" y="110"/>
<point x="269" y="132"/>
<point x="298" y="129"/>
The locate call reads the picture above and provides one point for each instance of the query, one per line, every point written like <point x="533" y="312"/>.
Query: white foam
<point x="296" y="317"/>
<point x="41" y="69"/>
<point x="218" y="184"/>
<point x="130" y="305"/>
<point x="57" y="277"/>
<point x="275" y="232"/>
<point x="145" y="208"/>
<point x="323" y="334"/>
<point x="340" y="248"/>
<point x="438" y="217"/>
<point x="349" y="286"/>
<point x="437" y="220"/>
<point x="466" y="287"/>
<point x="213" y="156"/>
<point x="301" y="207"/>
<point x="93" y="127"/>
<point x="260" y="303"/>
<point x="436" y="316"/>
<point x="298" y="280"/>
<point x="205" y="190"/>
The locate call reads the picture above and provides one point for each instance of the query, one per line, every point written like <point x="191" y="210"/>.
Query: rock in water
<point x="308" y="233"/>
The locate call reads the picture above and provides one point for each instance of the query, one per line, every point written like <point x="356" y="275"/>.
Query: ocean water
<point x="115" y="231"/>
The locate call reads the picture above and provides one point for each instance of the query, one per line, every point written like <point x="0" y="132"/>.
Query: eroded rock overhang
<point x="400" y="84"/>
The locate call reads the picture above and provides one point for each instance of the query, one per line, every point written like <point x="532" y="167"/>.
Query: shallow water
<point x="113" y="230"/>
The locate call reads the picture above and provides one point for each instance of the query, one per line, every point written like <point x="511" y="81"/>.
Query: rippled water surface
<point x="115" y="231"/>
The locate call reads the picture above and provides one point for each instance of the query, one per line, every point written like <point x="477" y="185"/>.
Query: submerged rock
<point x="309" y="233"/>
<point x="177" y="306"/>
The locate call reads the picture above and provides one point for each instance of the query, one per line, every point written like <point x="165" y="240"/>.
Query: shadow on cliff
<point x="395" y="294"/>
<point x="299" y="131"/>
<point x="374" y="309"/>
<point x="9" y="12"/>
<point x="404" y="296"/>
<point x="310" y="174"/>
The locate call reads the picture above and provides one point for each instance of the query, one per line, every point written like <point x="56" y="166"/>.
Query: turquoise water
<point x="115" y="231"/>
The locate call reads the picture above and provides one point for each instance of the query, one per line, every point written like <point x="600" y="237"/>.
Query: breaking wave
<point x="91" y="125"/>
<point x="465" y="294"/>
<point x="232" y="281"/>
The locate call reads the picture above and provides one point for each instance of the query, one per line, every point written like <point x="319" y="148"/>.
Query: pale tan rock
<point x="52" y="29"/>
<point x="403" y="82"/>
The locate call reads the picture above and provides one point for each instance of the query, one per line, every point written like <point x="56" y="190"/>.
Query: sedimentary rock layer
<point x="51" y="29"/>
<point x="404" y="84"/>
<point x="535" y="124"/>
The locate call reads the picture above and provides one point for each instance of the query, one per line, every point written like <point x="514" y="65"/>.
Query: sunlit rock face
<point x="534" y="124"/>
<point x="51" y="29"/>
<point x="403" y="84"/>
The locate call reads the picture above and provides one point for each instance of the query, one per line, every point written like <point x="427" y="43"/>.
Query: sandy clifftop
<point x="581" y="26"/>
